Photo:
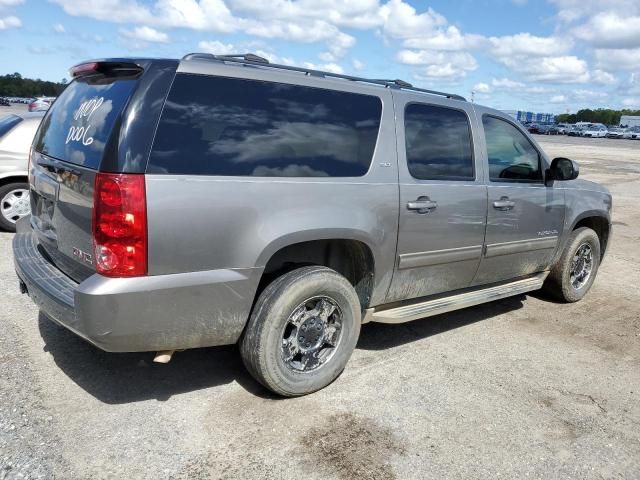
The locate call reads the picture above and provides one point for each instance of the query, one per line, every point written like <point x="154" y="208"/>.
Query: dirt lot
<point x="523" y="387"/>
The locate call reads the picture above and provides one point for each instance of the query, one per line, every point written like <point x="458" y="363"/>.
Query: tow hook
<point x="164" y="356"/>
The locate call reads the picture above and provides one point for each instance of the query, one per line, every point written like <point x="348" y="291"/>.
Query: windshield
<point x="80" y="122"/>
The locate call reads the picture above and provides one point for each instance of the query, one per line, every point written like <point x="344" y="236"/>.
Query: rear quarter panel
<point x="201" y="223"/>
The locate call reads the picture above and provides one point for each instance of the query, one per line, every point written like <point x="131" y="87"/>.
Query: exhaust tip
<point x="164" y="356"/>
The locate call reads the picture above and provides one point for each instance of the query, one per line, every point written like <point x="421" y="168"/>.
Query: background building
<point x="523" y="116"/>
<point x="630" y="121"/>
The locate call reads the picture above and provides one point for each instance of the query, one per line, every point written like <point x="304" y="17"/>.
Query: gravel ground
<point x="522" y="387"/>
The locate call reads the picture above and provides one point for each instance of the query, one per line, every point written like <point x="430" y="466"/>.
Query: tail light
<point x="120" y="225"/>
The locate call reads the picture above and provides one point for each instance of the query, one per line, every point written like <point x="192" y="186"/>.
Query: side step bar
<point x="437" y="306"/>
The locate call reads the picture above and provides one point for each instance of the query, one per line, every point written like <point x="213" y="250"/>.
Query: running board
<point x="429" y="308"/>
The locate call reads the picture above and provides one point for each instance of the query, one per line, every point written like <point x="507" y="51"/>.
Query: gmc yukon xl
<point x="211" y="200"/>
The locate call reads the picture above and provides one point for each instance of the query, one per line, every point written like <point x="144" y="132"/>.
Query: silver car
<point x="16" y="134"/>
<point x="216" y="200"/>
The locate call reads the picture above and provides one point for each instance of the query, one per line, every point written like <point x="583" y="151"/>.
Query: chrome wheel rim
<point x="15" y="205"/>
<point x="312" y="334"/>
<point x="581" y="266"/>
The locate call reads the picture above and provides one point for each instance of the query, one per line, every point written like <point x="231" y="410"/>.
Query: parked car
<point x="632" y="133"/>
<point x="616" y="132"/>
<point x="595" y="131"/>
<point x="41" y="104"/>
<point x="563" y="128"/>
<point x="533" y="128"/>
<point x="576" y="130"/>
<point x="4" y="102"/>
<point x="547" y="129"/>
<point x="16" y="134"/>
<point x="284" y="210"/>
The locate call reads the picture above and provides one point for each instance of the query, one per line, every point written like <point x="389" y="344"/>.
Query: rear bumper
<point x="163" y="312"/>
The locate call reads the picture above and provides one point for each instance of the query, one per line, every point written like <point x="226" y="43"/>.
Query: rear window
<point x="79" y="124"/>
<point x="224" y="126"/>
<point x="8" y="122"/>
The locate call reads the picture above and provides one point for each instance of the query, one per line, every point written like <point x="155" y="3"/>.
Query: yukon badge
<point x="544" y="233"/>
<point x="82" y="256"/>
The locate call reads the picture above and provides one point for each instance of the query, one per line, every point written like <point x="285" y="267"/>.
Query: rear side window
<point x="225" y="126"/>
<point x="438" y="143"/>
<point x="8" y="122"/>
<point x="79" y="124"/>
<point x="512" y="158"/>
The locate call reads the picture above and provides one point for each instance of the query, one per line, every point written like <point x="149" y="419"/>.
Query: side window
<point x="512" y="158"/>
<point x="226" y="126"/>
<point x="438" y="143"/>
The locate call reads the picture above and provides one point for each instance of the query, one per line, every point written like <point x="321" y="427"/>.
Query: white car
<point x="595" y="132"/>
<point x="41" y="104"/>
<point x="632" y="133"/>
<point x="616" y="132"/>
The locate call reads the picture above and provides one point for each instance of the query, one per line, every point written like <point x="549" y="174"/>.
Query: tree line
<point x="600" y="115"/>
<point x="14" y="85"/>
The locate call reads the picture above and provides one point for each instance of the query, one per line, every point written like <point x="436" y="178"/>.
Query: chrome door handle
<point x="422" y="205"/>
<point x="504" y="204"/>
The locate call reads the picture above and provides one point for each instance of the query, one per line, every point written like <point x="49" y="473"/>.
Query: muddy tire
<point x="573" y="275"/>
<point x="302" y="331"/>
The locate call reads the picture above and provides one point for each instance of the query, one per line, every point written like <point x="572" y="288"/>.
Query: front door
<point x="525" y="217"/>
<point x="443" y="202"/>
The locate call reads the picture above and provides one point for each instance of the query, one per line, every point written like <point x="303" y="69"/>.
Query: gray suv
<point x="223" y="199"/>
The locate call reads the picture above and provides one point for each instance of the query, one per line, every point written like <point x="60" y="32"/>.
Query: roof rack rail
<point x="256" y="60"/>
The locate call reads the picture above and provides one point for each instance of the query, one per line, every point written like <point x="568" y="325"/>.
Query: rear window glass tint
<point x="8" y="122"/>
<point x="224" y="126"/>
<point x="80" y="122"/>
<point x="438" y="143"/>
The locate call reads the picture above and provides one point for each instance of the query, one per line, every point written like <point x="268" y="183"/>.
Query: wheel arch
<point x="597" y="221"/>
<point x="348" y="254"/>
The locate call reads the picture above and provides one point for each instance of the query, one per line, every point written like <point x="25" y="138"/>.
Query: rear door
<point x="525" y="217"/>
<point x="443" y="201"/>
<point x="78" y="131"/>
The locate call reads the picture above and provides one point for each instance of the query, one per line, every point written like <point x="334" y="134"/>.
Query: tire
<point x="310" y="293"/>
<point x="9" y="195"/>
<point x="559" y="283"/>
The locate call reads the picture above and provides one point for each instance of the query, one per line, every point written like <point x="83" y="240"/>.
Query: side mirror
<point x="563" y="169"/>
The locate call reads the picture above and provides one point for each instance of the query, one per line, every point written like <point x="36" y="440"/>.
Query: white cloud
<point x="146" y="34"/>
<point x="481" y="88"/>
<point x="631" y="102"/>
<point x="439" y="64"/>
<point x="357" y="64"/>
<point x="217" y="48"/>
<point x="610" y="30"/>
<point x="618" y="59"/>
<point x="565" y="69"/>
<point x="58" y="28"/>
<point x="449" y="39"/>
<point x="602" y="78"/>
<point x="10" y="22"/>
<point x="10" y="3"/>
<point x="525" y="44"/>
<point x="584" y="94"/>
<point x="506" y="83"/>
<point x="558" y="99"/>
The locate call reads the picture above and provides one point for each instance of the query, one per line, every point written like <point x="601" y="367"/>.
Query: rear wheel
<point x="571" y="278"/>
<point x="14" y="204"/>
<point x="303" y="330"/>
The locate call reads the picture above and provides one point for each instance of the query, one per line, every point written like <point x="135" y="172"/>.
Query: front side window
<point x="438" y="143"/>
<point x="229" y="126"/>
<point x="512" y="158"/>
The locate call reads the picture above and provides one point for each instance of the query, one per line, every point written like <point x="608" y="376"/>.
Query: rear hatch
<point x="80" y="129"/>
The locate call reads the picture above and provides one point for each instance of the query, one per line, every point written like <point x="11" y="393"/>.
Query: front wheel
<point x="572" y="277"/>
<point x="14" y="204"/>
<point x="302" y="331"/>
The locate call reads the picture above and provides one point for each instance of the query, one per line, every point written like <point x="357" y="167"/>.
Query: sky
<point x="538" y="55"/>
